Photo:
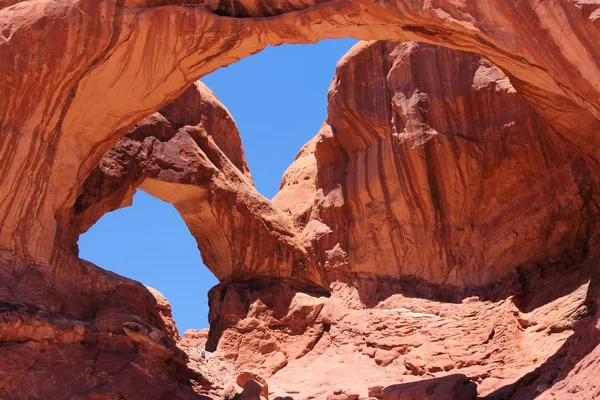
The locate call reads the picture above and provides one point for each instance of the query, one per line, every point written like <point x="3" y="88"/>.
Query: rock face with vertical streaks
<point x="442" y="222"/>
<point x="431" y="165"/>
<point x="443" y="210"/>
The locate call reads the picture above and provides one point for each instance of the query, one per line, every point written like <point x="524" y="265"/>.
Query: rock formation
<point x="439" y="170"/>
<point x="76" y="74"/>
<point x="442" y="210"/>
<point x="443" y="222"/>
<point x="81" y="332"/>
<point x="190" y="154"/>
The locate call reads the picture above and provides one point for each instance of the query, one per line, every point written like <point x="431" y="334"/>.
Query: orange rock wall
<point x="431" y="165"/>
<point x="77" y="74"/>
<point x="427" y="181"/>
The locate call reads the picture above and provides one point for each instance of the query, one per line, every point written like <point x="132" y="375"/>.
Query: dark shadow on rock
<point x="451" y="387"/>
<point x="539" y="286"/>
<point x="252" y="390"/>
<point x="585" y="338"/>
<point x="375" y="289"/>
<point x="532" y="286"/>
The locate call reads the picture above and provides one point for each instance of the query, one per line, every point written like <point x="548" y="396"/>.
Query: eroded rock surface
<point x="424" y="232"/>
<point x="431" y="165"/>
<point x="429" y="160"/>
<point x="91" y="334"/>
<point x="190" y="155"/>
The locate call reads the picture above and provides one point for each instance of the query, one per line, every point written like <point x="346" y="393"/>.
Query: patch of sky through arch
<point x="278" y="98"/>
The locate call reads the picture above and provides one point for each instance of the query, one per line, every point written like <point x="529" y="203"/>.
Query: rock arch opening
<point x="149" y="242"/>
<point x="300" y="107"/>
<point x="93" y="69"/>
<point x="189" y="154"/>
<point x="278" y="98"/>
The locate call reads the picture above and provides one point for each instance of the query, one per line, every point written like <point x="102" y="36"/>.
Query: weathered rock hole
<point x="281" y="106"/>
<point x="170" y="148"/>
<point x="149" y="242"/>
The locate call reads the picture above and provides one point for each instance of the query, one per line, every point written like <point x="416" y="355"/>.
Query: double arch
<point x="77" y="75"/>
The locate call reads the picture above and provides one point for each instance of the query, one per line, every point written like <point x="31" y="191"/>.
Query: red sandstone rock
<point x="369" y="170"/>
<point x="252" y="390"/>
<point x="74" y="77"/>
<point x="441" y="161"/>
<point x="196" y="338"/>
<point x="254" y="385"/>
<point x="175" y="156"/>
<point x="115" y="328"/>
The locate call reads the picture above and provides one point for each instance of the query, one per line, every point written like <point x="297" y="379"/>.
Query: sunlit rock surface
<point x="456" y="229"/>
<point x="431" y="165"/>
<point x="443" y="222"/>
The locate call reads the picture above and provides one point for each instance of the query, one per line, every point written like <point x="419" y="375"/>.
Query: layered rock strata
<point x="75" y="75"/>
<point x="452" y="224"/>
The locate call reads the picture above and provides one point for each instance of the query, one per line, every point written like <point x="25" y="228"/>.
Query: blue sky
<point x="278" y="98"/>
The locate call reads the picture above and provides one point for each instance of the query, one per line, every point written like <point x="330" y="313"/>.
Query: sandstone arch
<point x="98" y="68"/>
<point x="75" y="75"/>
<point x="190" y="154"/>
